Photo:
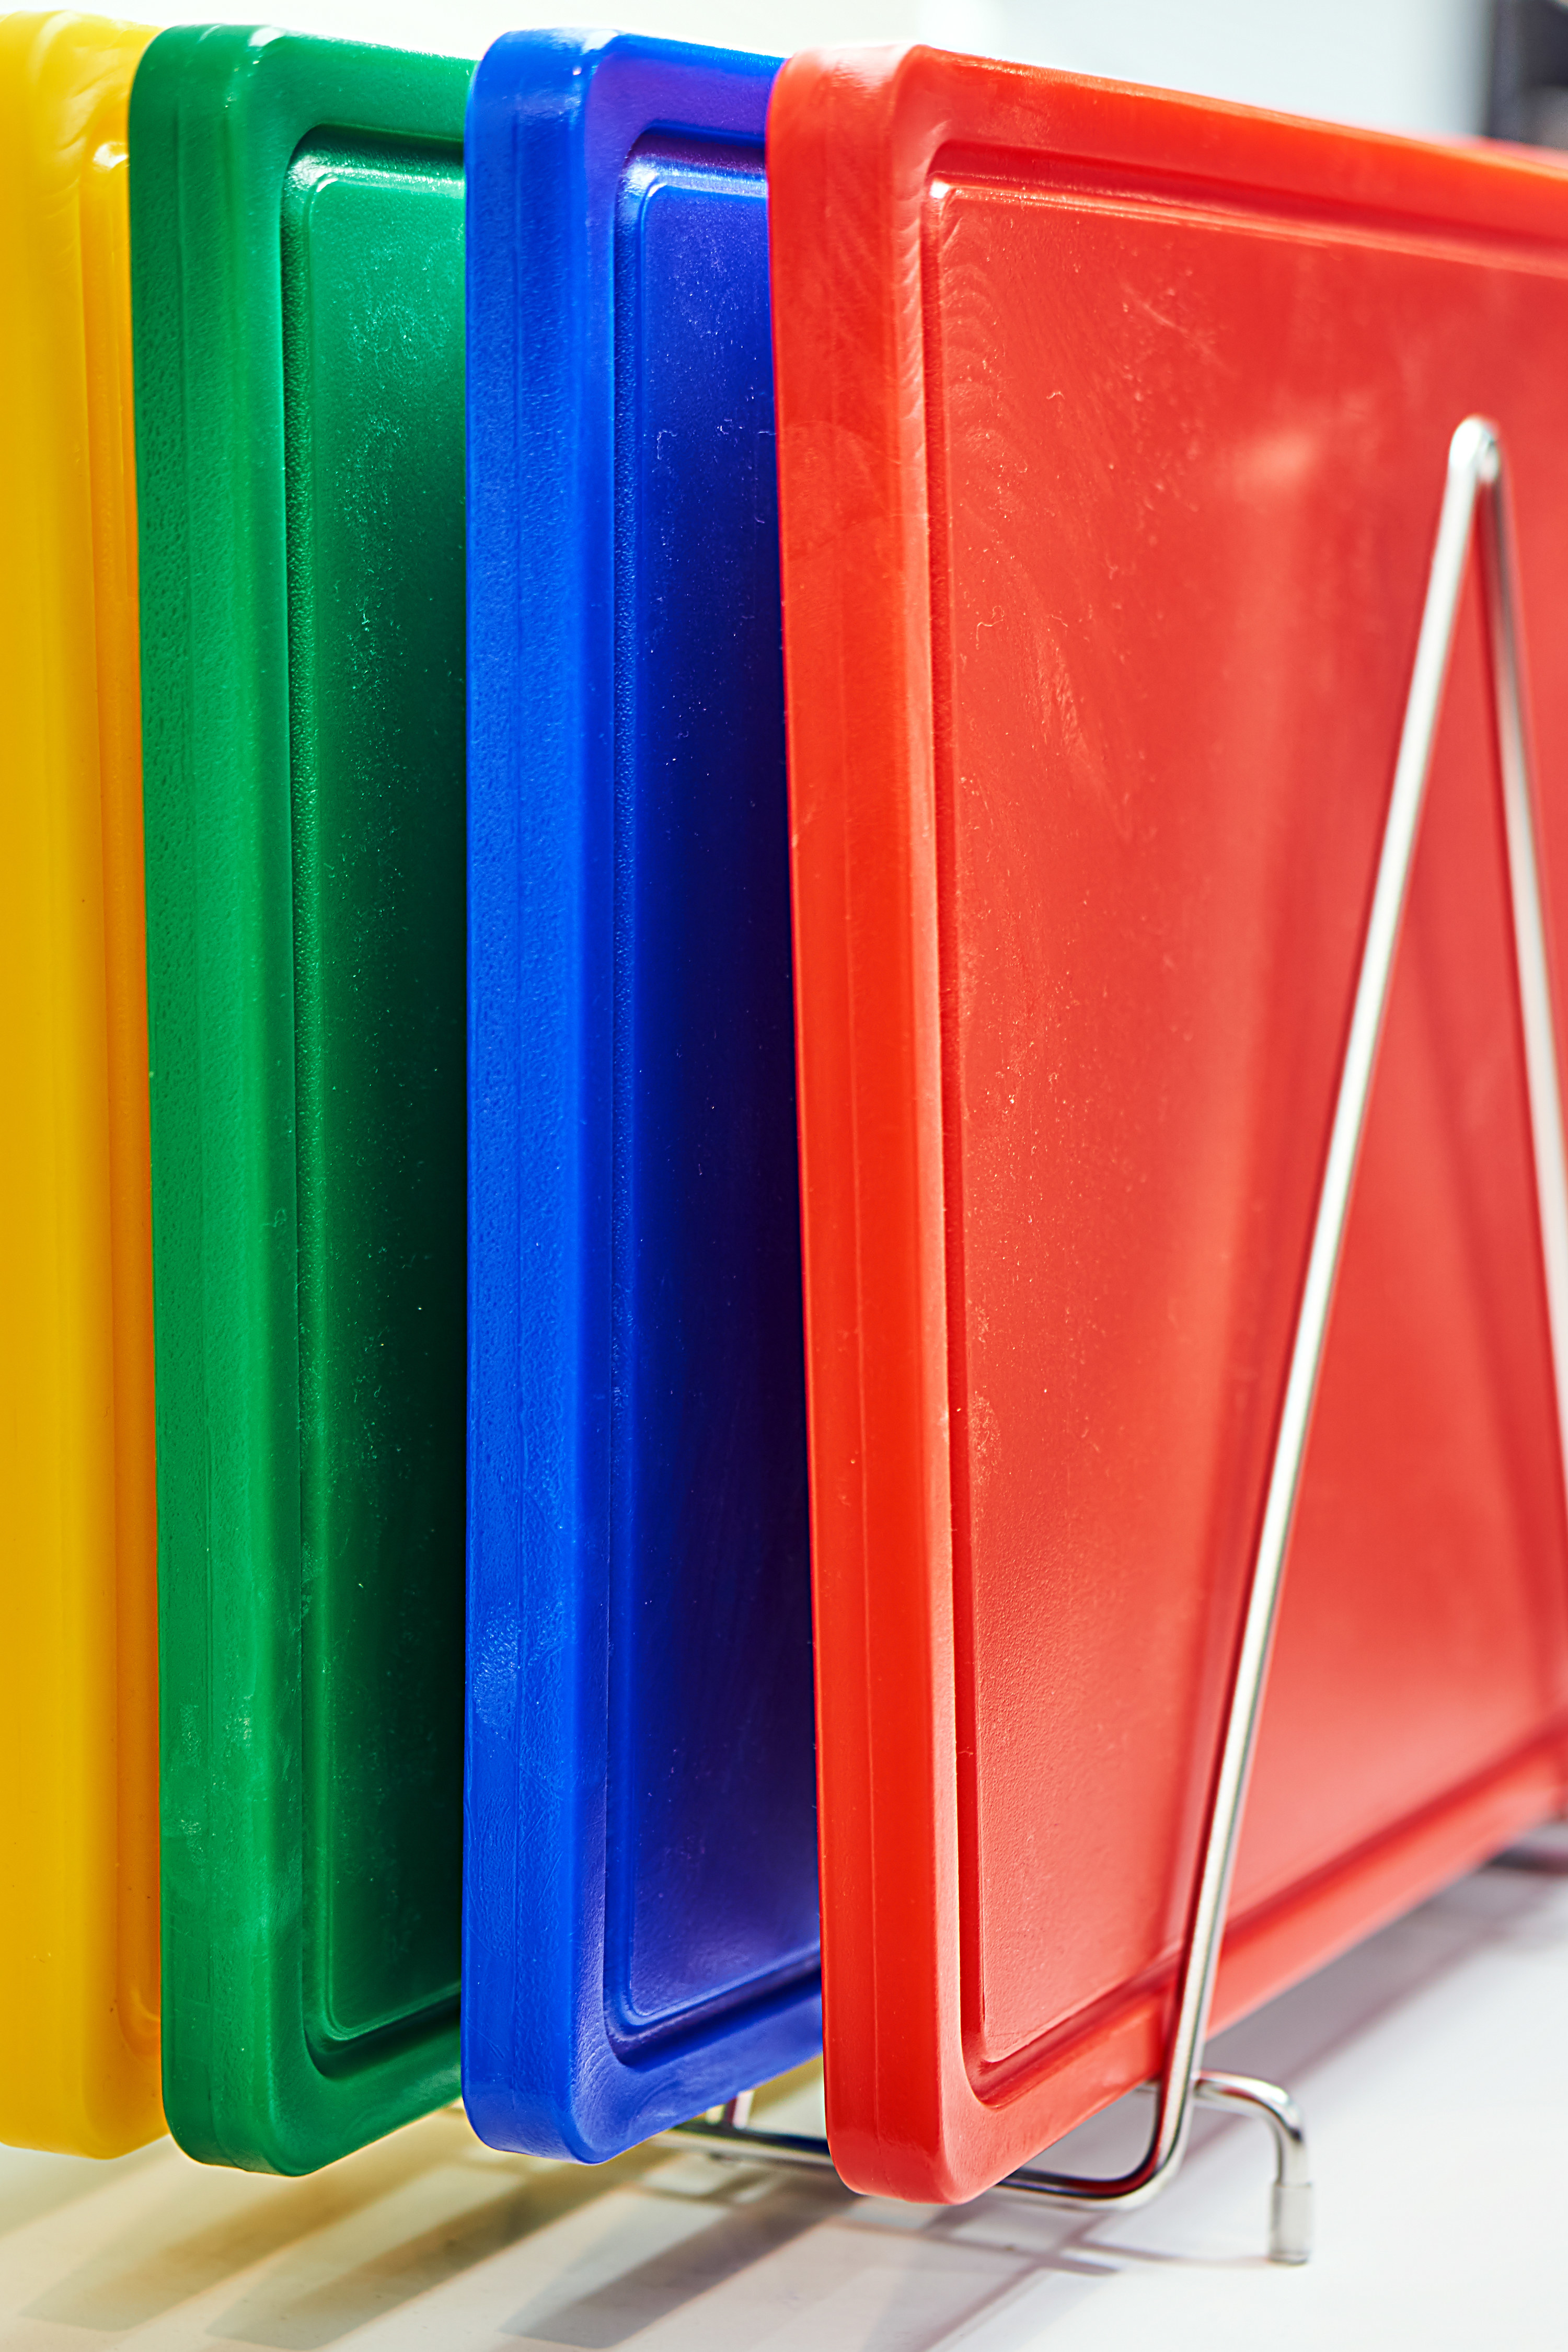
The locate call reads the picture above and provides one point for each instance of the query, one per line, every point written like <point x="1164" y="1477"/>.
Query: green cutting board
<point x="297" y="236"/>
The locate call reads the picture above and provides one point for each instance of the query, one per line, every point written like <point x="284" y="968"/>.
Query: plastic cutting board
<point x="1113" y="429"/>
<point x="641" y="1933"/>
<point x="297" y="215"/>
<point x="78" y="1762"/>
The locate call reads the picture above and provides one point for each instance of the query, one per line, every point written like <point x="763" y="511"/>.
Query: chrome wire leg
<point x="746" y="2143"/>
<point x="1291" y="2197"/>
<point x="725" y="2134"/>
<point x="736" y="2112"/>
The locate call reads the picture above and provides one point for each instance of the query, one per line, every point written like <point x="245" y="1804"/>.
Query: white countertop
<point x="1432" y="2063"/>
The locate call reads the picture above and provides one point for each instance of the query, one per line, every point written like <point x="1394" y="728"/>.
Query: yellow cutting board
<point x="78" y="1749"/>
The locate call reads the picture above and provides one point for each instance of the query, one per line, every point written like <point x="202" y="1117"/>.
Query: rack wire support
<point x="1475" y="508"/>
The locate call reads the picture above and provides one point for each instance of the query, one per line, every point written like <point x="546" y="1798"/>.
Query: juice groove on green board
<point x="297" y="262"/>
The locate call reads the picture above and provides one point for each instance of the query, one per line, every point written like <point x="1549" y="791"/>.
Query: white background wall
<point x="1402" y="64"/>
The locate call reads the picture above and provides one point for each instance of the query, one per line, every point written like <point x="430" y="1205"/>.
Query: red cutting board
<point x="1113" y="437"/>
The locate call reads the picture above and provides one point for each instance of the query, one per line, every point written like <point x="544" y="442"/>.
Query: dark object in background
<point x="1527" y="96"/>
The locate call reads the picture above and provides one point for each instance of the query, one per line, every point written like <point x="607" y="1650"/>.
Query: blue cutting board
<point x="641" y="1931"/>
